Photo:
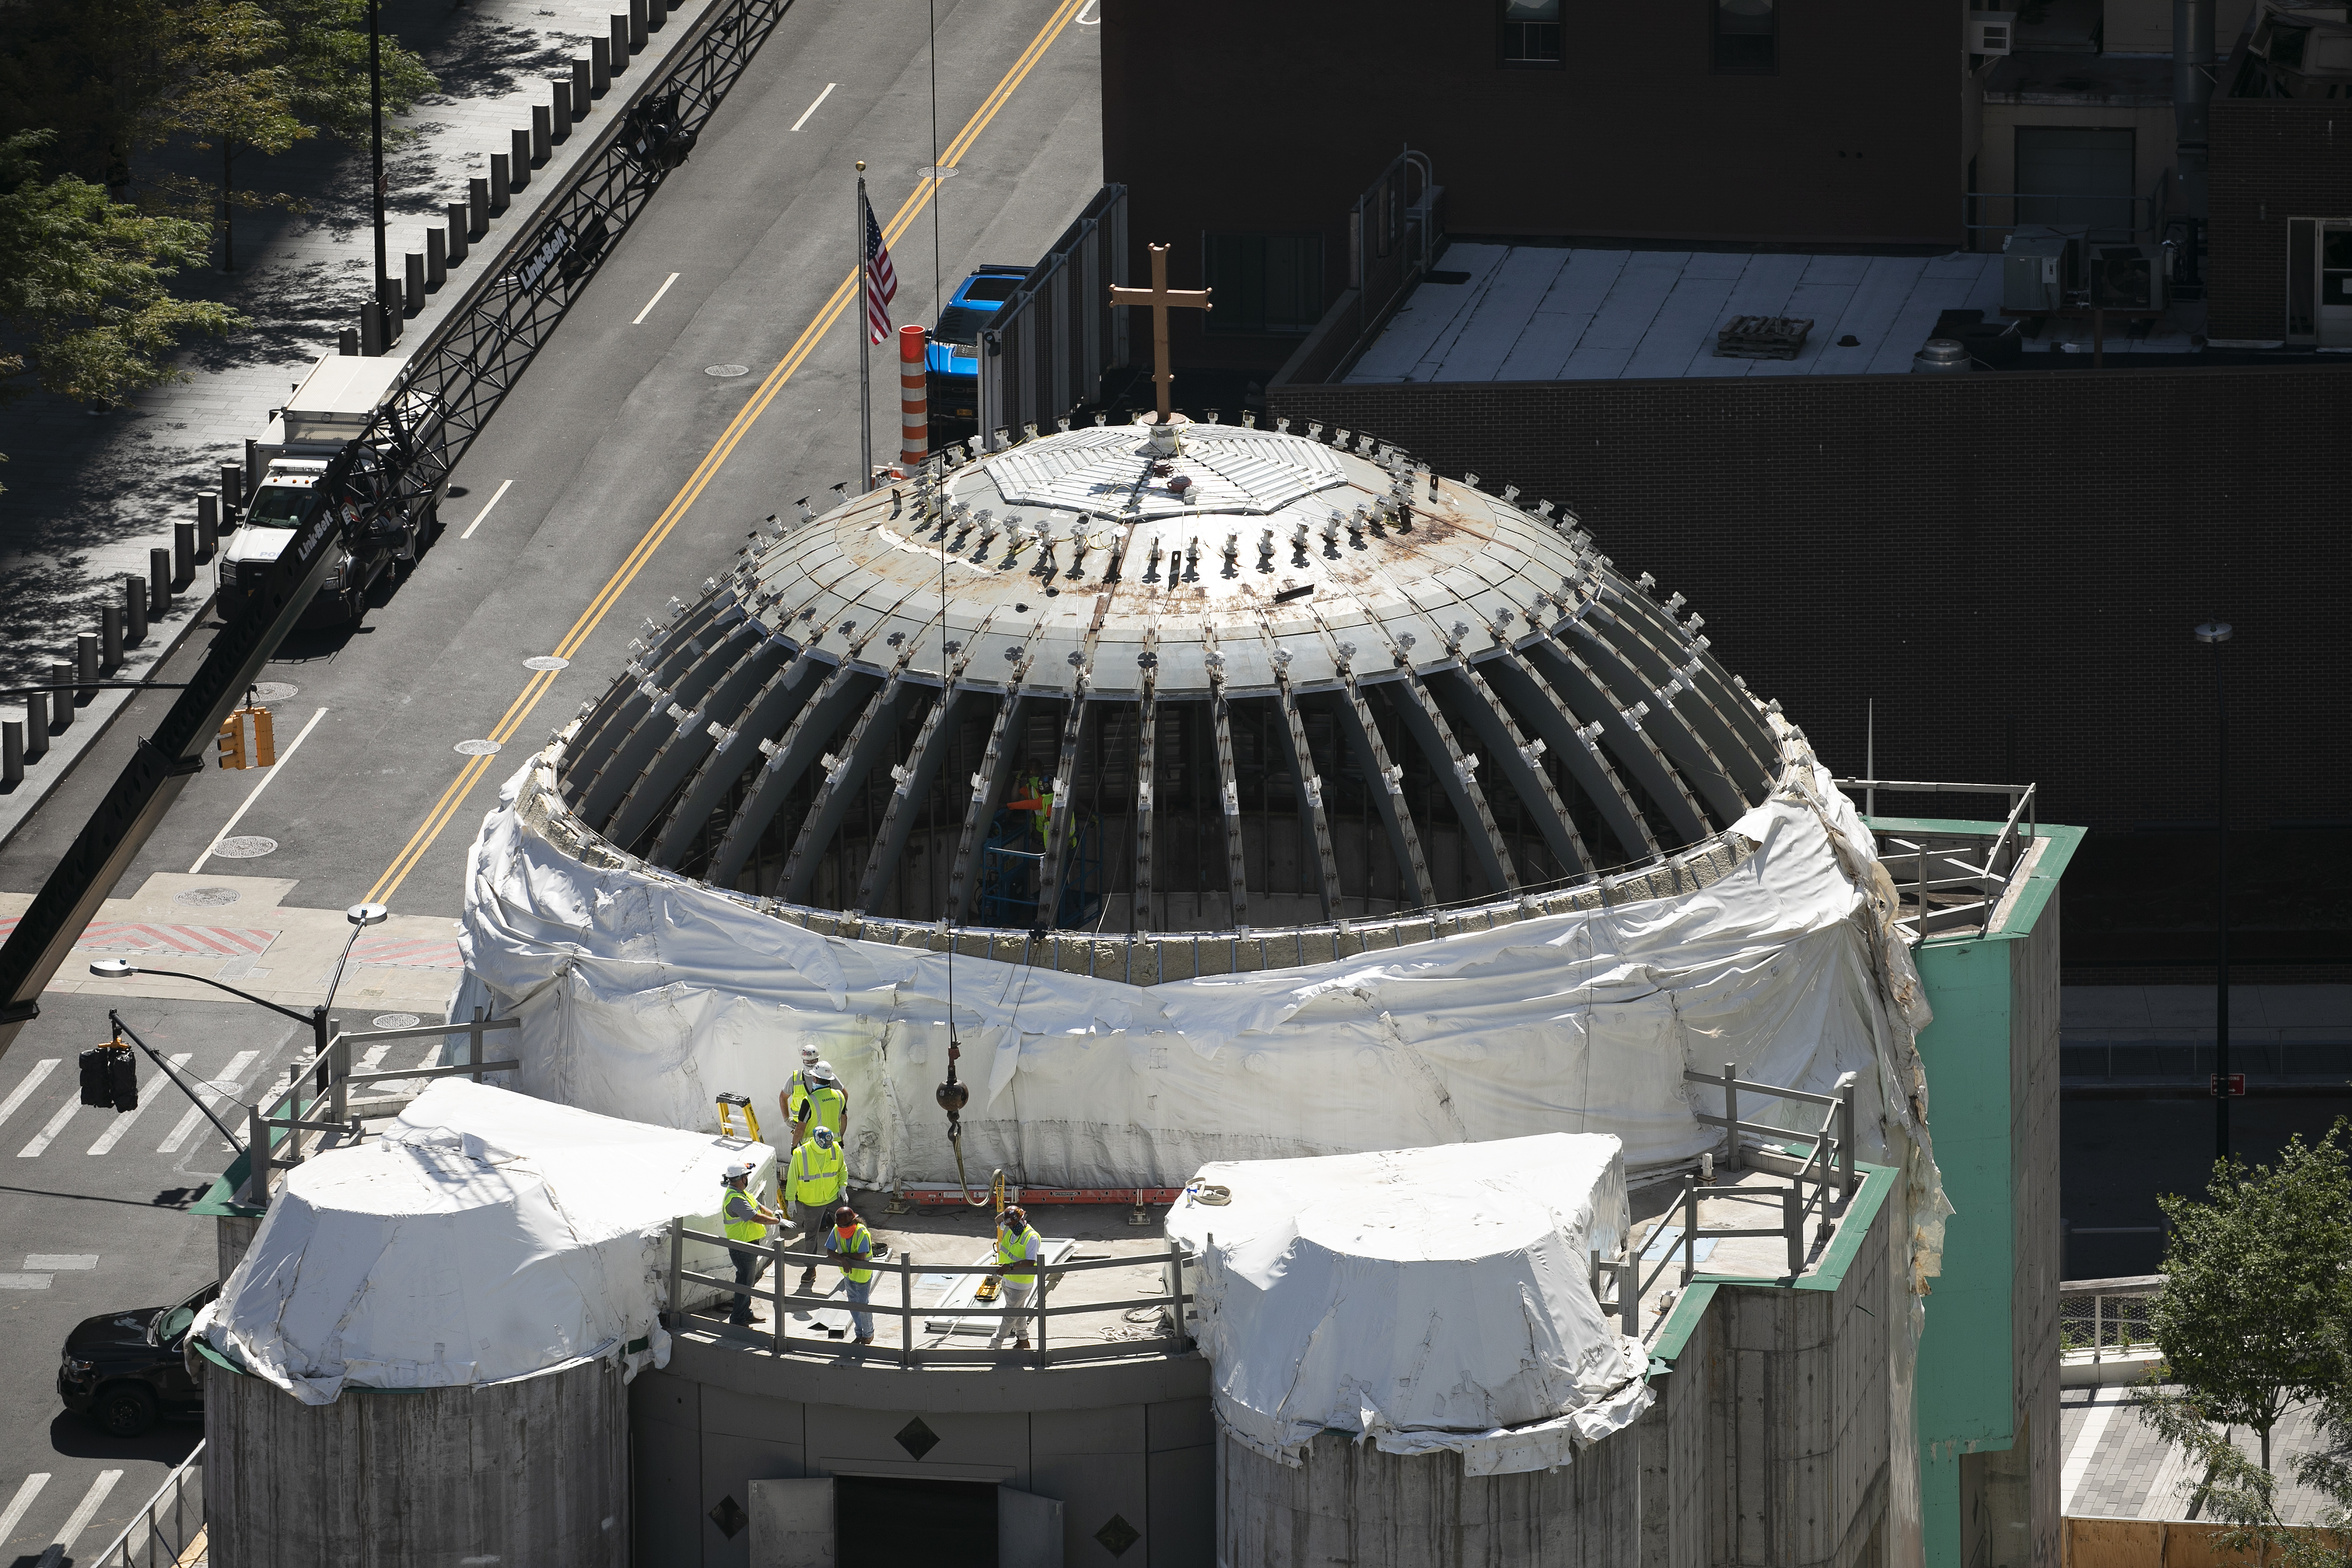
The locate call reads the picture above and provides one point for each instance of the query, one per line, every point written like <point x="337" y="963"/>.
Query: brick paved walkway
<point x="2129" y="1474"/>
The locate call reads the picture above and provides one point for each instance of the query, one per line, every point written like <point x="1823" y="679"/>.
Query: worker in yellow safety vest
<point x="792" y="1090"/>
<point x="852" y="1241"/>
<point x="746" y="1220"/>
<point x="816" y="1181"/>
<point x="1019" y="1250"/>
<point x="821" y="1101"/>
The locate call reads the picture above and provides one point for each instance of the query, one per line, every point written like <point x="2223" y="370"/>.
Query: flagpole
<point x="865" y="333"/>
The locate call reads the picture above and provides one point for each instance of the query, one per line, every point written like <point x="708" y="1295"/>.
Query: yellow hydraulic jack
<point x="727" y="1122"/>
<point x="986" y="1290"/>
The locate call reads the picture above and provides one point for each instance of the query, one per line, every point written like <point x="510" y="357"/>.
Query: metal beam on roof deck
<point x="1628" y="683"/>
<point x="1528" y="777"/>
<point x="1049" y="874"/>
<point x="676" y="753"/>
<point x="1659" y="665"/>
<point x="877" y="727"/>
<point x="996" y="761"/>
<point x="844" y="693"/>
<point x="1310" y="797"/>
<point x="1230" y="797"/>
<point x="1147" y="751"/>
<point x="915" y="778"/>
<point x="681" y="663"/>
<point x="782" y="695"/>
<point x="1581" y="687"/>
<point x="1383" y="783"/>
<point x="1458" y="780"/>
<point x="1540" y="708"/>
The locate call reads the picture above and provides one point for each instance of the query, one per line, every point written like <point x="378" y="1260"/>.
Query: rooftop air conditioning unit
<point x="2038" y="269"/>
<point x="1991" y="32"/>
<point x="2126" y="278"/>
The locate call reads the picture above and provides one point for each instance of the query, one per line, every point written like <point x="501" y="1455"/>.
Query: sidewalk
<point x="90" y="495"/>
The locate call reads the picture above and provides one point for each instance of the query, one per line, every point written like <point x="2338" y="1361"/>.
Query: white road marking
<point x="812" y="108"/>
<point x="500" y="493"/>
<point x="47" y="1135"/>
<point x="17" y="1097"/>
<point x="78" y="1521"/>
<point x="269" y="778"/>
<point x="23" y="1501"/>
<point x="113" y="1135"/>
<point x="638" y="322"/>
<point x="24" y="1281"/>
<point x="212" y="1093"/>
<point x="2085" y="1448"/>
<point x="1081" y="17"/>
<point x="59" y="1262"/>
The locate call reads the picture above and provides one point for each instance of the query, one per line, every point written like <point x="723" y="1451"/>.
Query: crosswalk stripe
<point x="227" y="1083"/>
<point x="113" y="1135"/>
<point x="78" y="1521"/>
<point x="42" y="1140"/>
<point x="17" y="1097"/>
<point x="23" y="1501"/>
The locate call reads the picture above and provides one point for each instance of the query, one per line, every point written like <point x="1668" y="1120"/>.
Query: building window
<point x="1531" y="33"/>
<point x="1264" y="282"/>
<point x="1746" y="37"/>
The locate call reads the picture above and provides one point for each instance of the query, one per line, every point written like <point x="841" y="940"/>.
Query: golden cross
<point x="1160" y="297"/>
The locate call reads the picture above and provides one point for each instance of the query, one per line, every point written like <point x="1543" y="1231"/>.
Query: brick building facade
<point x="2008" y="565"/>
<point x="2276" y="162"/>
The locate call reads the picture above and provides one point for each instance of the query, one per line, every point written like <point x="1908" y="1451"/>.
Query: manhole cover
<point x="397" y="1020"/>
<point x="245" y="848"/>
<point x="724" y="370"/>
<point x="547" y="661"/>
<point x="275" y="691"/>
<point x="207" y="898"/>
<point x="476" y="748"/>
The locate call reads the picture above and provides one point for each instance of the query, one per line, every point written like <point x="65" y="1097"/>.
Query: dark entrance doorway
<point x="885" y="1522"/>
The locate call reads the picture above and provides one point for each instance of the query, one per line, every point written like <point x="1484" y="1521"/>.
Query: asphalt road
<point x="587" y="463"/>
<point x="590" y="454"/>
<point x="90" y="1223"/>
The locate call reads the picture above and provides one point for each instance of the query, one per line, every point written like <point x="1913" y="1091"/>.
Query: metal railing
<point x="1045" y="348"/>
<point x="1171" y="1302"/>
<point x="2137" y="216"/>
<point x="1955" y="880"/>
<point x="172" y="1520"/>
<point x="1829" y="1166"/>
<point x="2105" y="1318"/>
<point x="329" y="1077"/>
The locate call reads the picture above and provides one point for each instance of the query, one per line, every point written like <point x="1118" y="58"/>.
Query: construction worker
<point x="793" y="1087"/>
<point x="817" y="1180"/>
<point x="747" y="1219"/>
<point x="1018" y="1251"/>
<point x="851" y="1240"/>
<point x="821" y="1101"/>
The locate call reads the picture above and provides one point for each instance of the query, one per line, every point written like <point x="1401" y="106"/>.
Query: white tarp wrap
<point x="487" y="1235"/>
<point x="645" y="996"/>
<point x="1425" y="1298"/>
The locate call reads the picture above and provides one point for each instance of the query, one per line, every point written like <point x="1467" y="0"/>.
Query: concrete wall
<point x="1988" y="1403"/>
<point x="527" y="1472"/>
<point x="1127" y="1439"/>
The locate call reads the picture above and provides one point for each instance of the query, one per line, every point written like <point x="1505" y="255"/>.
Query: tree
<point x="2258" y="1288"/>
<point x="2243" y="1495"/>
<point x="82" y="284"/>
<point x="327" y="53"/>
<point x="234" y="92"/>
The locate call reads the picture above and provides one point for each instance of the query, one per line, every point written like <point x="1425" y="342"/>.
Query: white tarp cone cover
<point x="1424" y="1298"/>
<point x="643" y="994"/>
<point x="486" y="1236"/>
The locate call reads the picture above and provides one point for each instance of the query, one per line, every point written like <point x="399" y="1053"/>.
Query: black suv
<point x="124" y="1368"/>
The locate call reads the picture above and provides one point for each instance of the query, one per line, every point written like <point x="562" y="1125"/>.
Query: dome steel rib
<point x="1217" y="679"/>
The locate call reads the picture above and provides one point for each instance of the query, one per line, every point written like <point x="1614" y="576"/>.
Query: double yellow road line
<point x="520" y="709"/>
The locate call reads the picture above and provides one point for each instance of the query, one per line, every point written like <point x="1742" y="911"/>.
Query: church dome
<point x="1204" y="679"/>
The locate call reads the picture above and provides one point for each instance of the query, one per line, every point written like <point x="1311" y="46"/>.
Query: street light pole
<point x="375" y="112"/>
<point x="2214" y="634"/>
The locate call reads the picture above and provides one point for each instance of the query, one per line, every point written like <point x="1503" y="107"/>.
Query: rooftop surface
<point x="1562" y="313"/>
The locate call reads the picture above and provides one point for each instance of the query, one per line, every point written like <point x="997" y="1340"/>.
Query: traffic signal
<point x="109" y="1078"/>
<point x="231" y="741"/>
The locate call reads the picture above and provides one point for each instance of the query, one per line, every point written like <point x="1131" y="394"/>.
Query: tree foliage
<point x="83" y="284"/>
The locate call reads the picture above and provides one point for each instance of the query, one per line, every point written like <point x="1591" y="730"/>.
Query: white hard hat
<point x="808" y="1055"/>
<point x="742" y="1168"/>
<point x="823" y="1072"/>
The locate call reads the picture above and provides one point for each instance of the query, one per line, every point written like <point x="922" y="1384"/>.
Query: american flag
<point x="881" y="281"/>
